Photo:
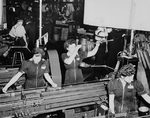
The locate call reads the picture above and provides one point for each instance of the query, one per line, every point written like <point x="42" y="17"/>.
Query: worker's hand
<point x="111" y="115"/>
<point x="83" y="64"/>
<point x="111" y="112"/>
<point x="4" y="90"/>
<point x="54" y="85"/>
<point x="98" y="43"/>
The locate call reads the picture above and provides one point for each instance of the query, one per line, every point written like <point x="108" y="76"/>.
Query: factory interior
<point x="74" y="59"/>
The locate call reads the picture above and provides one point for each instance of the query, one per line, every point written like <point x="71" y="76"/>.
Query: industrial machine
<point x="30" y="103"/>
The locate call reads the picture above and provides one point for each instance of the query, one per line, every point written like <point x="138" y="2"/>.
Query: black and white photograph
<point x="74" y="58"/>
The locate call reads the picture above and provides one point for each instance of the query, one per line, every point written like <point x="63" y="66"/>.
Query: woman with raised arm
<point x="72" y="60"/>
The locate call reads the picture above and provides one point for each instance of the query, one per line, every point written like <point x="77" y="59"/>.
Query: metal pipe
<point x="40" y="22"/>
<point x="131" y="42"/>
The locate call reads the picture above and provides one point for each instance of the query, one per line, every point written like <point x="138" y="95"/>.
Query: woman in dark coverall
<point x="35" y="69"/>
<point x="123" y="89"/>
<point x="72" y="60"/>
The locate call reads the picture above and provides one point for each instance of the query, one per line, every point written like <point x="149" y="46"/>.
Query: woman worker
<point x="35" y="69"/>
<point x="18" y="32"/>
<point x="72" y="60"/>
<point x="122" y="91"/>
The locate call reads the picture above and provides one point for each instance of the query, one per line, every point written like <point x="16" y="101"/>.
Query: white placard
<point x="141" y="15"/>
<point x="124" y="14"/>
<point x="108" y="13"/>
